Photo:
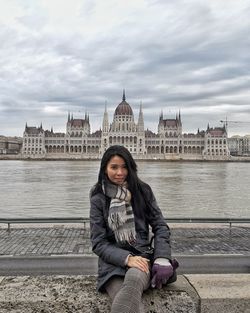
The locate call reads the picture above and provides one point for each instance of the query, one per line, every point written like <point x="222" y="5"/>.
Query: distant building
<point x="10" y="145"/>
<point x="239" y="145"/>
<point x="168" y="143"/>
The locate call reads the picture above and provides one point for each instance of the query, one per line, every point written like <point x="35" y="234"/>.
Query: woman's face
<point x="116" y="170"/>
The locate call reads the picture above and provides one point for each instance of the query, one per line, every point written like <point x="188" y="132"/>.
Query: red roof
<point x="149" y="133"/>
<point x="123" y="109"/>
<point x="217" y="132"/>
<point x="33" y="130"/>
<point x="77" y="122"/>
<point x="170" y="122"/>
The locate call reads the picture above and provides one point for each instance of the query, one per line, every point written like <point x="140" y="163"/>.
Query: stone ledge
<point x="224" y="293"/>
<point x="73" y="294"/>
<point x="194" y="293"/>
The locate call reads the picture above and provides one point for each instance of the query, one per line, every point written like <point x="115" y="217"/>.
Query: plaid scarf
<point x="121" y="217"/>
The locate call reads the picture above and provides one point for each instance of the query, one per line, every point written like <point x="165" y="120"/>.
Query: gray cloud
<point x="189" y="56"/>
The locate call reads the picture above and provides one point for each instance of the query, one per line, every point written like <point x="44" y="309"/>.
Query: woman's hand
<point x="138" y="262"/>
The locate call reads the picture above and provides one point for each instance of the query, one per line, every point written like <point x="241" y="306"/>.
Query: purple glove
<point x="161" y="273"/>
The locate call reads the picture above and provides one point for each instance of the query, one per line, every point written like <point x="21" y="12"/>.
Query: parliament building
<point x="168" y="143"/>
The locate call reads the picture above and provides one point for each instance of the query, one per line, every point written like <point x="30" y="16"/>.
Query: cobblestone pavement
<point x="60" y="240"/>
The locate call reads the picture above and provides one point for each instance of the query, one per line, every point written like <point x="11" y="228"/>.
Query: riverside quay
<point x="168" y="143"/>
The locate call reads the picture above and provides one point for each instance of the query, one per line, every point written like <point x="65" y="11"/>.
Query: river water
<point x="182" y="189"/>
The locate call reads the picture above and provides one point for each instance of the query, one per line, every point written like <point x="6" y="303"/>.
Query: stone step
<point x="194" y="293"/>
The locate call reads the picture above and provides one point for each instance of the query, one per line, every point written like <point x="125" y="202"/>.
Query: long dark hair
<point x="135" y="185"/>
<point x="132" y="178"/>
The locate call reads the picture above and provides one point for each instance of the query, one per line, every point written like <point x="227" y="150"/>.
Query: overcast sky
<point x="59" y="56"/>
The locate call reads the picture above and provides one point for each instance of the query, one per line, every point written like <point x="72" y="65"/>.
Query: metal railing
<point x="43" y="220"/>
<point x="209" y="220"/>
<point x="85" y="220"/>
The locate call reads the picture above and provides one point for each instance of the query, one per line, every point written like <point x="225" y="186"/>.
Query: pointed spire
<point x="123" y="96"/>
<point x="68" y="116"/>
<point x="140" y="106"/>
<point x="26" y="126"/>
<point x="161" y="115"/>
<point x="141" y="120"/>
<point x="51" y="129"/>
<point x="208" y="127"/>
<point x="179" y="115"/>
<point x="41" y="125"/>
<point x="105" y="121"/>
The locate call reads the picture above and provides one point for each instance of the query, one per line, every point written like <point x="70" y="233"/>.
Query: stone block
<point x="73" y="294"/>
<point x="224" y="293"/>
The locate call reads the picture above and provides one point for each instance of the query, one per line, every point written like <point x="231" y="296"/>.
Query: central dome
<point x="123" y="108"/>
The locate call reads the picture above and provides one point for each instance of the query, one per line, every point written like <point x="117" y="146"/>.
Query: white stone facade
<point x="33" y="141"/>
<point x="10" y="145"/>
<point x="168" y="143"/>
<point x="239" y="145"/>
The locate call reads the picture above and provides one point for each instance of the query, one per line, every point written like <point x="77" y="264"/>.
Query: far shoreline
<point x="11" y="157"/>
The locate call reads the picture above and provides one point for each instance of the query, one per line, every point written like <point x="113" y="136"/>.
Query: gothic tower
<point x="141" y="133"/>
<point x="105" y="130"/>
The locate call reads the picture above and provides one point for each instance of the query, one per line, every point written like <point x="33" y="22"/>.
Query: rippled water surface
<point x="183" y="189"/>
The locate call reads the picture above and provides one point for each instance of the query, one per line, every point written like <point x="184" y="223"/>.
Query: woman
<point x="122" y="209"/>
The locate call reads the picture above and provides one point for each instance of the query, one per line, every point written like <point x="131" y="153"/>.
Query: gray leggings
<point x="126" y="292"/>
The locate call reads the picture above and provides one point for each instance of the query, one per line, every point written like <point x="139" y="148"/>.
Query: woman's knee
<point x="137" y="278"/>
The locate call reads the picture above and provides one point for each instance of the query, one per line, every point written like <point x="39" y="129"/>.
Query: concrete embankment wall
<point x="157" y="157"/>
<point x="190" y="294"/>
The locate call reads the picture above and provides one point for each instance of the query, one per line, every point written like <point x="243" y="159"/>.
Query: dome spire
<point x="123" y="108"/>
<point x="123" y="96"/>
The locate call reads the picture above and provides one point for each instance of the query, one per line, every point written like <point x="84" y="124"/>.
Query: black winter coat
<point x="112" y="256"/>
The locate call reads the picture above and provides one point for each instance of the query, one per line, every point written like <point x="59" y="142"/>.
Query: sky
<point x="73" y="56"/>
